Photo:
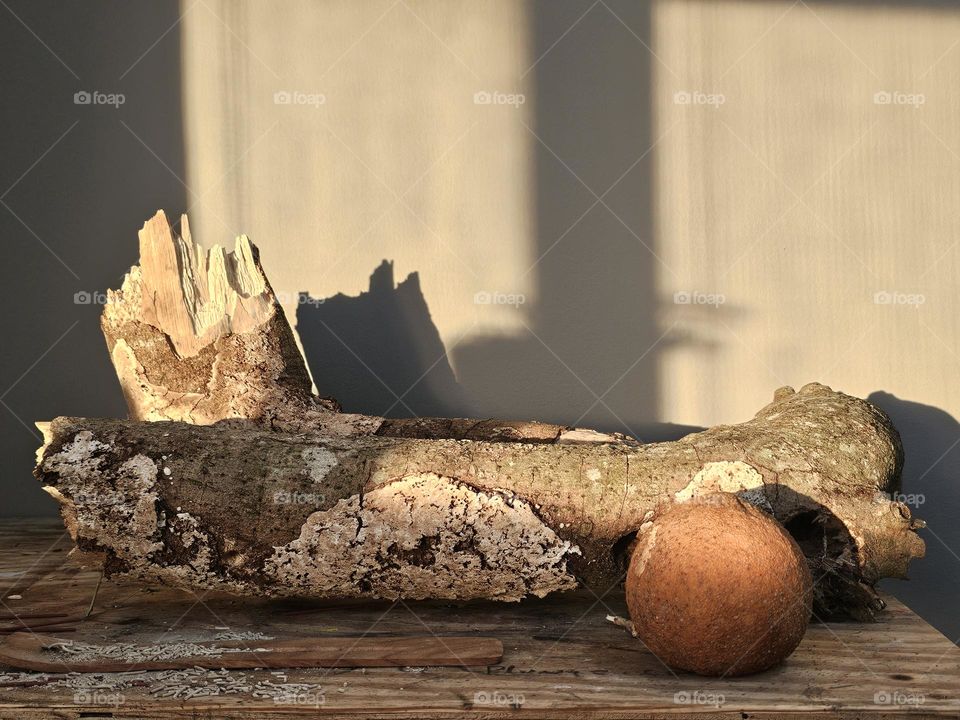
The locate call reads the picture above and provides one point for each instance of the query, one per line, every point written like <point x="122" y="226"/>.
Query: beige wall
<point x="807" y="205"/>
<point x="797" y="200"/>
<point x="395" y="161"/>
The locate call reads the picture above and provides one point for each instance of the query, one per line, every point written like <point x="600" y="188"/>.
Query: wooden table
<point x="562" y="658"/>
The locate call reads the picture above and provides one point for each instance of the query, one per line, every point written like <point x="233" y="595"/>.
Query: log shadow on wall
<point x="592" y="321"/>
<point x="380" y="353"/>
<point x="931" y="445"/>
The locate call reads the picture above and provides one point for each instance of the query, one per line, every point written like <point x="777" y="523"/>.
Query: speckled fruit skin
<point x="717" y="587"/>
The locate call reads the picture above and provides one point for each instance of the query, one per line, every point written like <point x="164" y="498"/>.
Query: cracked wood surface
<point x="562" y="658"/>
<point x="198" y="335"/>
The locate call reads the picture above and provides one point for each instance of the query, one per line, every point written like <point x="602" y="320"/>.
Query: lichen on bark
<point x="425" y="537"/>
<point x="592" y="496"/>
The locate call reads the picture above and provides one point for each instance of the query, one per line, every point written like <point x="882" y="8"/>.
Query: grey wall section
<point x="79" y="201"/>
<point x="589" y="355"/>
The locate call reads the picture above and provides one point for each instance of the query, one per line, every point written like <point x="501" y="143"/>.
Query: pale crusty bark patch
<point x="425" y="536"/>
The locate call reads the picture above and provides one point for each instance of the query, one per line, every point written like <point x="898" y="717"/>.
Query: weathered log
<point x="237" y="507"/>
<point x="265" y="489"/>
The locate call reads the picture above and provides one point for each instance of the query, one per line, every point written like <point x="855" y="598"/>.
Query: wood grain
<point x="562" y="658"/>
<point x="26" y="651"/>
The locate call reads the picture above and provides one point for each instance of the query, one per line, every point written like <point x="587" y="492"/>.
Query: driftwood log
<point x="258" y="487"/>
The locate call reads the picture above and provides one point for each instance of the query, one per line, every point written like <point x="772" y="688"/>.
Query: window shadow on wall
<point x="591" y="326"/>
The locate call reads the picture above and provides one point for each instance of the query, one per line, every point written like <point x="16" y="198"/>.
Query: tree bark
<point x="260" y="488"/>
<point x="199" y="336"/>
<point x="237" y="507"/>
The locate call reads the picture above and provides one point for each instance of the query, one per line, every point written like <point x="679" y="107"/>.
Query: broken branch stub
<point x="198" y="335"/>
<point x="329" y="504"/>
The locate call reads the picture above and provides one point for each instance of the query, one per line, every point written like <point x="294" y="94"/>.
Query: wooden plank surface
<point x="33" y="651"/>
<point x="562" y="658"/>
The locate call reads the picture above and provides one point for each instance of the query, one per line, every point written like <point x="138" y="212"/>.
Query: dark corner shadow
<point x="931" y="445"/>
<point x="80" y="178"/>
<point x="379" y="352"/>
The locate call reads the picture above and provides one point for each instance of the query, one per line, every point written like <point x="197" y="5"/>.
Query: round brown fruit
<point x="717" y="587"/>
